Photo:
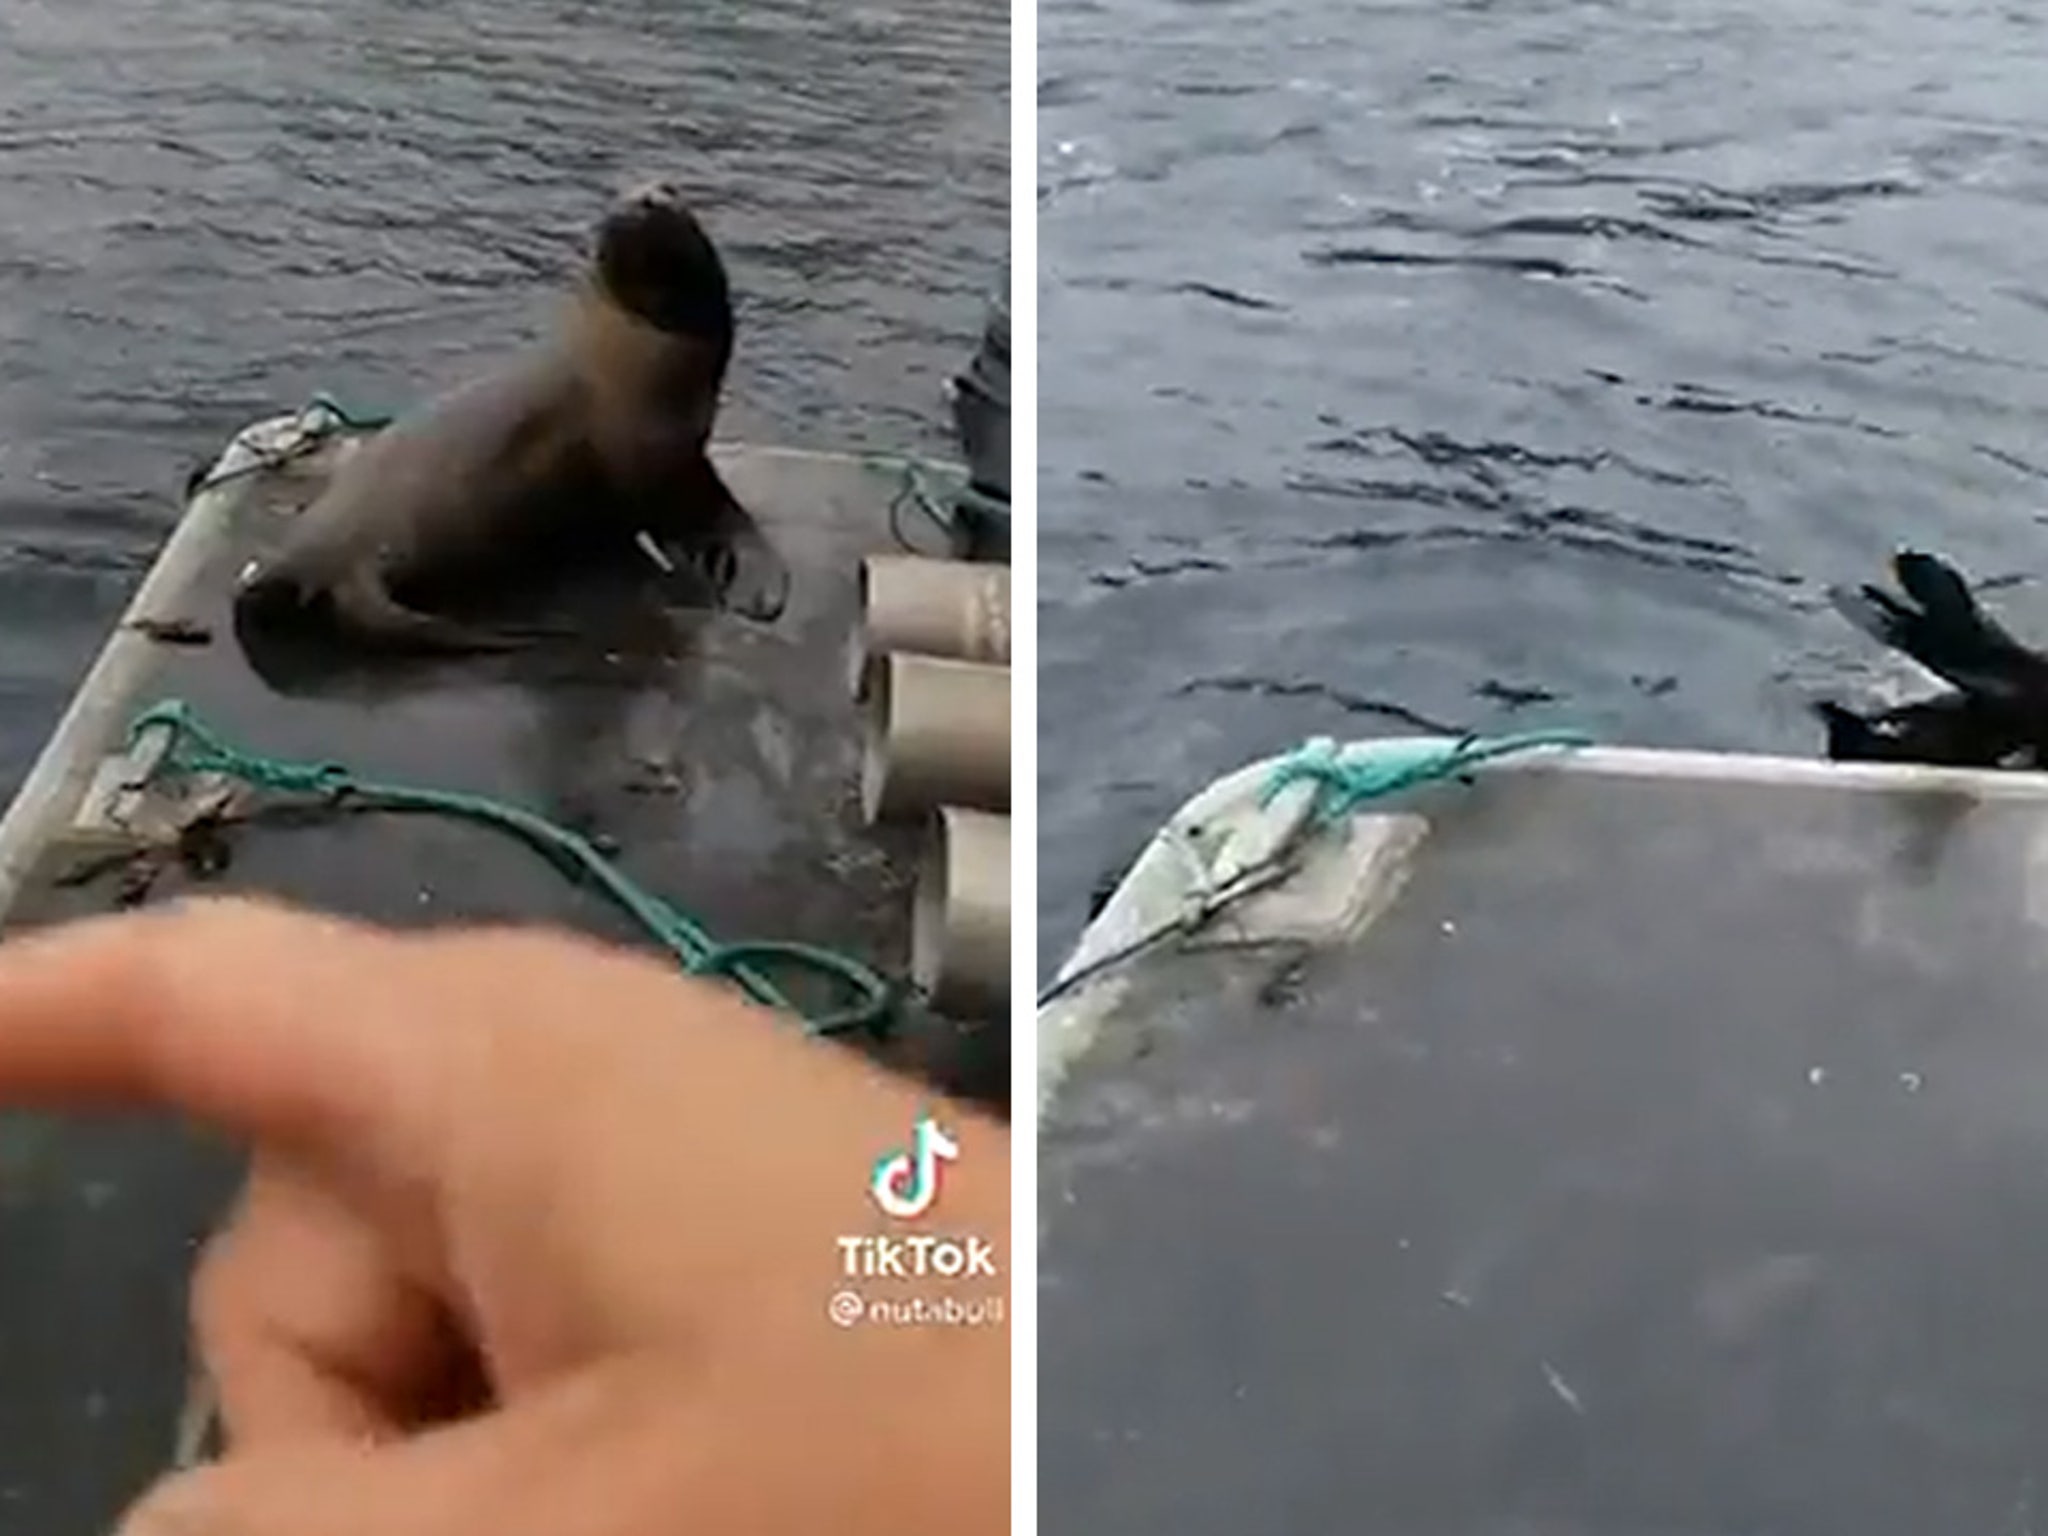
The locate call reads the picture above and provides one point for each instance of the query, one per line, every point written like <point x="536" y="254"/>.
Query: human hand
<point x="538" y="1236"/>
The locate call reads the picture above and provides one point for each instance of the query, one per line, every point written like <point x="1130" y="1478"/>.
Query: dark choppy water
<point x="1513" y="362"/>
<point x="210" y="209"/>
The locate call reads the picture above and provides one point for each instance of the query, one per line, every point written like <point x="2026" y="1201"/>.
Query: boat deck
<point x="1668" y="1157"/>
<point x="721" y="759"/>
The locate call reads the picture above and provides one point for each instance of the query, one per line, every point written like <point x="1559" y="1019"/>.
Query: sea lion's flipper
<point x="1873" y="610"/>
<point x="747" y="571"/>
<point x="1943" y="628"/>
<point x="747" y="574"/>
<point x="1936" y="586"/>
<point x="363" y="605"/>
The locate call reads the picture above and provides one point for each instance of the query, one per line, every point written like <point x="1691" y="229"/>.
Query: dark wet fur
<point x="591" y="455"/>
<point x="660" y="265"/>
<point x="1946" y="731"/>
<point x="612" y="604"/>
<point x="1997" y="713"/>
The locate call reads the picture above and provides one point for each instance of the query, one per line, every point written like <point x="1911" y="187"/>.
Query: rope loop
<point x="1347" y="780"/>
<point x="870" y="1001"/>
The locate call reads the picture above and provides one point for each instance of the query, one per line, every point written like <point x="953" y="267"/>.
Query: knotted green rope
<point x="197" y="749"/>
<point x="1346" y="780"/>
<point x="207" y="476"/>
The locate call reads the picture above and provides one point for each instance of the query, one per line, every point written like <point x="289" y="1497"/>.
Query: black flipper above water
<point x="1998" y="717"/>
<point x="1941" y="626"/>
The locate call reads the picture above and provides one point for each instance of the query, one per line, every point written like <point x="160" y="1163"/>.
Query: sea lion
<point x="1948" y="730"/>
<point x="1995" y="713"/>
<point x="591" y="440"/>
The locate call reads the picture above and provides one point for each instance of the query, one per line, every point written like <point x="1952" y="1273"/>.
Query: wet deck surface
<point x="1670" y="1161"/>
<point x="721" y="758"/>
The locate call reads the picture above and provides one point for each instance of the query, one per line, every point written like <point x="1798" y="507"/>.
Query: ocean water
<point x="1488" y="365"/>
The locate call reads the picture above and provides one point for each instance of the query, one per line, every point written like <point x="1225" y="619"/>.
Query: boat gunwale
<point x="1146" y="899"/>
<point x="49" y="797"/>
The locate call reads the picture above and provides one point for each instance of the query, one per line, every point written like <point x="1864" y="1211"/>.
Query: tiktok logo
<point x="906" y="1184"/>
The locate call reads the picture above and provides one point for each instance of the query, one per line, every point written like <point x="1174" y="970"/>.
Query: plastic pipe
<point x="937" y="733"/>
<point x="931" y="608"/>
<point x="960" y="919"/>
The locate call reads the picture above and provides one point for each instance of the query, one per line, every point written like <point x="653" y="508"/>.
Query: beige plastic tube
<point x="960" y="917"/>
<point x="931" y="607"/>
<point x="937" y="733"/>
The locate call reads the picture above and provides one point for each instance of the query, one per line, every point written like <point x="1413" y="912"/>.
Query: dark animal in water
<point x="1996" y="712"/>
<point x="1947" y="731"/>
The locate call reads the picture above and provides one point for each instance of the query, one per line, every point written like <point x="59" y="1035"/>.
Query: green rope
<point x="969" y="499"/>
<point x="913" y="489"/>
<point x="1346" y="780"/>
<point x="197" y="749"/>
<point x="206" y="477"/>
<point x="347" y="417"/>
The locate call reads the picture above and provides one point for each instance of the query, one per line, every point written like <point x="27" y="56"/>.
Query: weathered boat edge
<point x="50" y="795"/>
<point x="1164" y="882"/>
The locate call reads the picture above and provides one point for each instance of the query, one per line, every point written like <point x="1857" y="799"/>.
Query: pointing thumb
<point x="596" y="1455"/>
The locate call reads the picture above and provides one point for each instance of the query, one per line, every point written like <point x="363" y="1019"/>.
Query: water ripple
<point x="1589" y="346"/>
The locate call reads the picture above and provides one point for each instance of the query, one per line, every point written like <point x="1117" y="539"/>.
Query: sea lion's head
<point x="651" y="336"/>
<point x="654" y="260"/>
